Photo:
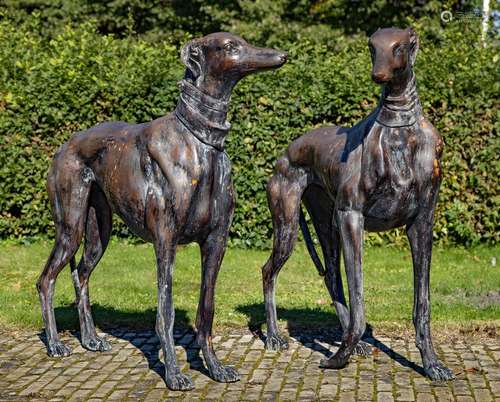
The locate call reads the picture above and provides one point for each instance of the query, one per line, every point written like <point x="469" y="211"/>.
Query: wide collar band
<point x="400" y="111"/>
<point x="203" y="115"/>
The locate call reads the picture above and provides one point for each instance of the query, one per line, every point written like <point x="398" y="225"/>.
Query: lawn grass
<point x="464" y="288"/>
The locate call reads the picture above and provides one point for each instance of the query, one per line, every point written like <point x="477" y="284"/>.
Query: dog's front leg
<point x="212" y="252"/>
<point x="333" y="281"/>
<point x="165" y="256"/>
<point x="350" y="224"/>
<point x="420" y="237"/>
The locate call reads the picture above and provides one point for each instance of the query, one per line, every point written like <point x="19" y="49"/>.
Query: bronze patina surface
<point x="170" y="182"/>
<point x="383" y="173"/>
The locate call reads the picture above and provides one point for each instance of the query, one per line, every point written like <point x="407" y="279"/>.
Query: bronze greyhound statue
<point x="169" y="180"/>
<point x="380" y="174"/>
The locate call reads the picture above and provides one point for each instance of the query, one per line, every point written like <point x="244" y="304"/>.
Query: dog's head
<point x="393" y="53"/>
<point x="224" y="57"/>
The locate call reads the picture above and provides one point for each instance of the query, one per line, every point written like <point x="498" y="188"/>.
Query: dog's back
<point x="86" y="150"/>
<point x="329" y="152"/>
<point x="87" y="147"/>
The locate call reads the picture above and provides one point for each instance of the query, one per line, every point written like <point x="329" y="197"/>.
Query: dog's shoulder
<point x="160" y="125"/>
<point x="432" y="136"/>
<point x="166" y="145"/>
<point x="160" y="132"/>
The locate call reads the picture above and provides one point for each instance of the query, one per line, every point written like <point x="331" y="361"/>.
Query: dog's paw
<point x="276" y="342"/>
<point x="363" y="349"/>
<point x="222" y="373"/>
<point x="439" y="372"/>
<point x="333" y="363"/>
<point x="179" y="382"/>
<point x="58" y="349"/>
<point x="96" y="344"/>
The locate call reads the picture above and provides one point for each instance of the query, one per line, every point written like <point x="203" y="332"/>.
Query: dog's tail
<point x="75" y="277"/>
<point x="72" y="263"/>
<point x="309" y="243"/>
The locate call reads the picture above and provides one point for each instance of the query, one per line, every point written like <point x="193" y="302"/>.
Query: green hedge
<point x="271" y="21"/>
<point x="50" y="88"/>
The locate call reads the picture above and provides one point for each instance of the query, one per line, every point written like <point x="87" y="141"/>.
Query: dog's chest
<point x="398" y="149"/>
<point x="211" y="196"/>
<point x="389" y="177"/>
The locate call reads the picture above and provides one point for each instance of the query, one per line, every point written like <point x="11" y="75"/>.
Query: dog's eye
<point x="397" y="50"/>
<point x="230" y="47"/>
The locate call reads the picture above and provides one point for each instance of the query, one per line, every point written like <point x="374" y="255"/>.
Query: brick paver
<point x="131" y="371"/>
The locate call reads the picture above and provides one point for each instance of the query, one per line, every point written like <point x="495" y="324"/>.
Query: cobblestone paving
<point x="132" y="371"/>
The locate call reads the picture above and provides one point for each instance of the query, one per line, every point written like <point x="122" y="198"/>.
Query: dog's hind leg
<point x="69" y="187"/>
<point x="284" y="192"/>
<point x="321" y="208"/>
<point x="97" y="233"/>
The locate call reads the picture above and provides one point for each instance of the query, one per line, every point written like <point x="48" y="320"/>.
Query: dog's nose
<point x="380" y="77"/>
<point x="283" y="56"/>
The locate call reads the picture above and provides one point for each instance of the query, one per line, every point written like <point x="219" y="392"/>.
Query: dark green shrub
<point x="271" y="22"/>
<point x="52" y="88"/>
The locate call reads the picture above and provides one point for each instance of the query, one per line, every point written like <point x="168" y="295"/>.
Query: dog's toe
<point x="363" y="349"/>
<point x="179" y="382"/>
<point x="222" y="373"/>
<point x="96" y="344"/>
<point x="438" y="372"/>
<point x="333" y="363"/>
<point x="276" y="342"/>
<point x="58" y="349"/>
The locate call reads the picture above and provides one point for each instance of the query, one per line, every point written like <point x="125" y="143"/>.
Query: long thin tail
<point x="309" y="243"/>
<point x="72" y="263"/>
<point x="75" y="277"/>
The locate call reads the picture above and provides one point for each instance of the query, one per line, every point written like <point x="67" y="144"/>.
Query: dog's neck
<point x="399" y="106"/>
<point x="203" y="115"/>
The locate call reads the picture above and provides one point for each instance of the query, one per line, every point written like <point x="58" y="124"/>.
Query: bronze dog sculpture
<point x="169" y="180"/>
<point x="380" y="174"/>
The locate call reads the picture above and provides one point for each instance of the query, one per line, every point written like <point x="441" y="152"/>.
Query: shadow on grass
<point x="136" y="327"/>
<point x="311" y="326"/>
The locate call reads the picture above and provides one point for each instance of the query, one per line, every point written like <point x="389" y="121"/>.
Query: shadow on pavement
<point x="117" y="323"/>
<point x="312" y="326"/>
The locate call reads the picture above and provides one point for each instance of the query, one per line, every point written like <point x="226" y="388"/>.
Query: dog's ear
<point x="192" y="57"/>
<point x="413" y="46"/>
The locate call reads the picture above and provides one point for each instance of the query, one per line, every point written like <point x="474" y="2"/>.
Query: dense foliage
<point x="261" y="21"/>
<point x="60" y="72"/>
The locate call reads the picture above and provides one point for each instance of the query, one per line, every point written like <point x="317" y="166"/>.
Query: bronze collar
<point x="202" y="115"/>
<point x="400" y="111"/>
